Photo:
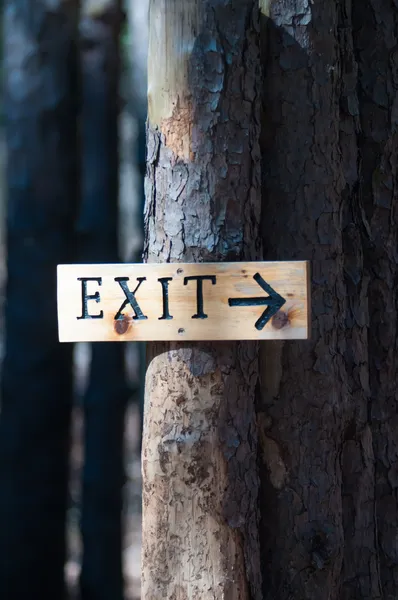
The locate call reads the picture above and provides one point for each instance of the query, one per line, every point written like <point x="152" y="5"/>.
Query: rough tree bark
<point x="375" y="36"/>
<point x="327" y="414"/>
<point x="202" y="204"/>
<point x="97" y="242"/>
<point x="41" y="113"/>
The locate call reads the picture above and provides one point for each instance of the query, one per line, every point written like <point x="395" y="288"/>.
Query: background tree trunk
<point x="375" y="36"/>
<point x="327" y="415"/>
<point x="137" y="16"/>
<point x="105" y="399"/>
<point x="202" y="204"/>
<point x="41" y="120"/>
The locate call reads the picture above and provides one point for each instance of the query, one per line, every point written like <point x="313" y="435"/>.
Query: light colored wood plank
<point x="226" y="320"/>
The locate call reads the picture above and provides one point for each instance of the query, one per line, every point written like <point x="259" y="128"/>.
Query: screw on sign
<point x="202" y="301"/>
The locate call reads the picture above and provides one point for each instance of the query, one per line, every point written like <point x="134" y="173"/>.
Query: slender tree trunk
<point x="202" y="204"/>
<point x="137" y="11"/>
<point x="328" y="407"/>
<point x="137" y="15"/>
<point x="40" y="111"/>
<point x="97" y="242"/>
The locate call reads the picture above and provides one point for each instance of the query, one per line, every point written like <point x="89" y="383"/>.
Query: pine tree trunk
<point x="375" y="32"/>
<point x="202" y="204"/>
<point x="97" y="242"/>
<point x="40" y="112"/>
<point x="327" y="434"/>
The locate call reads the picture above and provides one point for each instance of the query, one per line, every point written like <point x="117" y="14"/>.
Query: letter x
<point x="130" y="298"/>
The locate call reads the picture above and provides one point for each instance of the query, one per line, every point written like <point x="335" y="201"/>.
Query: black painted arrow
<point x="274" y="302"/>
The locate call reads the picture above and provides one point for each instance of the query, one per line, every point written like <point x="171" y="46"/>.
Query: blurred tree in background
<point x="41" y="112"/>
<point x="96" y="231"/>
<point x="61" y="105"/>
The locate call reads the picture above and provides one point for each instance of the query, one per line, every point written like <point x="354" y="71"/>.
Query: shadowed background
<point x="73" y="124"/>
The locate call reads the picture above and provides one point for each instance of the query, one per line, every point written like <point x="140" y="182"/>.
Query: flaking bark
<point x="327" y="413"/>
<point x="375" y="35"/>
<point x="202" y="204"/>
<point x="304" y="384"/>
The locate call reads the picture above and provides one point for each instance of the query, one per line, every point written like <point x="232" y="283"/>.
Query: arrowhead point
<point x="276" y="301"/>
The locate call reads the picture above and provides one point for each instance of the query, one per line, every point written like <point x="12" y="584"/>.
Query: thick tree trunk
<point x="97" y="242"/>
<point x="40" y="83"/>
<point x="375" y="36"/>
<point x="202" y="204"/>
<point x="328" y="407"/>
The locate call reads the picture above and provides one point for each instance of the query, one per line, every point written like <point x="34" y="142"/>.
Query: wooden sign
<point x="201" y="301"/>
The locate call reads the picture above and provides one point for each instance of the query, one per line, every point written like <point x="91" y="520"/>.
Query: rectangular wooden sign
<point x="201" y="301"/>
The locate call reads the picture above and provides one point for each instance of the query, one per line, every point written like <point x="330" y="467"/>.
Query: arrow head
<point x="274" y="302"/>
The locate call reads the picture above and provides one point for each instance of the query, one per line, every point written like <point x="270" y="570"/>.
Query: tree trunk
<point x="202" y="204"/>
<point x="375" y="33"/>
<point x="328" y="439"/>
<point x="137" y="15"/>
<point x="41" y="118"/>
<point x="97" y="242"/>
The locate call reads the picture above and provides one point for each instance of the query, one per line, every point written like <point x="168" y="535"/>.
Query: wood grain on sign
<point x="201" y="301"/>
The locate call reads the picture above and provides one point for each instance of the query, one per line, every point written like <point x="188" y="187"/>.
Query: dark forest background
<point x="110" y="102"/>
